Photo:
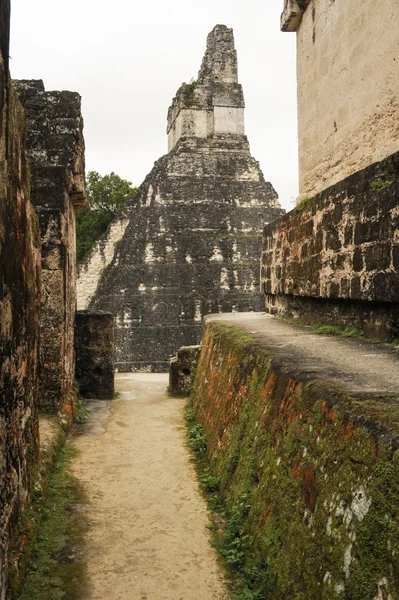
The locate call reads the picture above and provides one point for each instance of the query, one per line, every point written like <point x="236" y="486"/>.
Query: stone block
<point x="182" y="370"/>
<point x="94" y="348"/>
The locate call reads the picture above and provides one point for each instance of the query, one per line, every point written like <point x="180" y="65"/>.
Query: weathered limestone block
<point x="291" y="16"/>
<point x="19" y="311"/>
<point x="348" y="96"/>
<point x="336" y="258"/>
<point x="188" y="243"/>
<point x="56" y="156"/>
<point x="182" y="370"/>
<point x="94" y="347"/>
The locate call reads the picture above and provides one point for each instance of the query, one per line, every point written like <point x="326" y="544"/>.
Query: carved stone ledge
<point x="292" y="14"/>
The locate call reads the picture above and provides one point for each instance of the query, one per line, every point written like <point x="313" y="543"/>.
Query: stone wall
<point x="94" y="349"/>
<point x="187" y="244"/>
<point x="56" y="156"/>
<point x="348" y="95"/>
<point x="19" y="310"/>
<point x="335" y="259"/>
<point x="308" y="475"/>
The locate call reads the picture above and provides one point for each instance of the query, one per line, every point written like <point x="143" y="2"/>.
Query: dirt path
<point x="148" y="538"/>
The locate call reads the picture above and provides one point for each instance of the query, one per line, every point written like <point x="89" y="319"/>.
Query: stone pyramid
<point x="188" y="243"/>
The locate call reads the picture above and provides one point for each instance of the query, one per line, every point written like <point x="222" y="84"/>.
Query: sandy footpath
<point x="148" y="536"/>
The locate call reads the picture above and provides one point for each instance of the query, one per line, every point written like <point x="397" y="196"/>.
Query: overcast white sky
<point x="127" y="59"/>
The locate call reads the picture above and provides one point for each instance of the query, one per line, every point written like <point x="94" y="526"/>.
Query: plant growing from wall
<point x="189" y="93"/>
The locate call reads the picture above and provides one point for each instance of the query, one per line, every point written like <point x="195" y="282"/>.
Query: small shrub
<point x="328" y="330"/>
<point x="348" y="332"/>
<point x="81" y="411"/>
<point x="302" y="202"/>
<point x="196" y="439"/>
<point x="210" y="482"/>
<point x="189" y="93"/>
<point x="352" y="332"/>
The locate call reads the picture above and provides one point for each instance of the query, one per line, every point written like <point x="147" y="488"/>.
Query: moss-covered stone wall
<point x="19" y="311"/>
<point x="309" y="480"/>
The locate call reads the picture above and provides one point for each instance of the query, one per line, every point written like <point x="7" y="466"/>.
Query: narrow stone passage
<point x="148" y="536"/>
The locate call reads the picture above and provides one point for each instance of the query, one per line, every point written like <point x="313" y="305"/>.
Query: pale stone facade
<point x="348" y="86"/>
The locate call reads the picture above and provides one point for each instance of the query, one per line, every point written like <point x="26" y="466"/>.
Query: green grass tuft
<point x="57" y="567"/>
<point x="348" y="332"/>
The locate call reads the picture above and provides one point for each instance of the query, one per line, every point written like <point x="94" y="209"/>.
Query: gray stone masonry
<point x="188" y="243"/>
<point x="94" y="350"/>
<point x="335" y="259"/>
<point x="182" y="370"/>
<point x="57" y="163"/>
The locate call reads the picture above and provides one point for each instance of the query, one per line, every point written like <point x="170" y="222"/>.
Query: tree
<point x="106" y="195"/>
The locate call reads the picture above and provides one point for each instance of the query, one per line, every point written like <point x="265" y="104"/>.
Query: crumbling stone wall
<point x="348" y="95"/>
<point x="335" y="259"/>
<point x="19" y="310"/>
<point x="56" y="156"/>
<point x="188" y="243"/>
<point x="94" y="348"/>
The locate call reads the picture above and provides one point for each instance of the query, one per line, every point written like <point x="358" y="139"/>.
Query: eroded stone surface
<point x="182" y="370"/>
<point x="94" y="351"/>
<point x="19" y="311"/>
<point x="56" y="156"/>
<point x="187" y="244"/>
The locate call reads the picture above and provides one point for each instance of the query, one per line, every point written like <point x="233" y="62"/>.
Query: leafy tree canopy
<point x="107" y="195"/>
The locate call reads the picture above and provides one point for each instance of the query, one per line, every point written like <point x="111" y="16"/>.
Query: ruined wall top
<point x="220" y="60"/>
<point x="292" y="14"/>
<point x="214" y="103"/>
<point x="55" y="140"/>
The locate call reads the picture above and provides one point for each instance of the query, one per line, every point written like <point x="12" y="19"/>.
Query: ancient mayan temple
<point x="188" y="243"/>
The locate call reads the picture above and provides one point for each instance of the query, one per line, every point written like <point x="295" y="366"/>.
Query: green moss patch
<point x="310" y="497"/>
<point x="57" y="565"/>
